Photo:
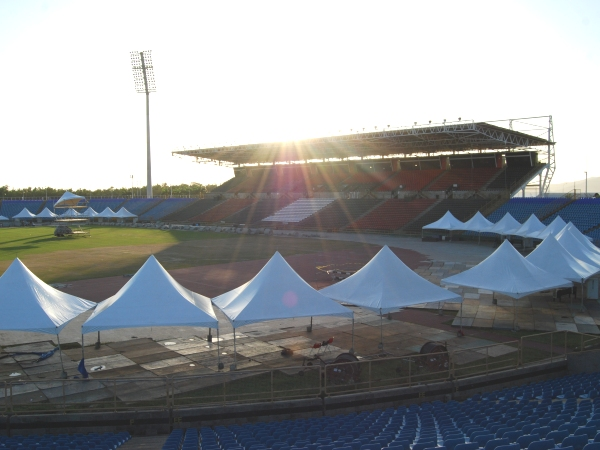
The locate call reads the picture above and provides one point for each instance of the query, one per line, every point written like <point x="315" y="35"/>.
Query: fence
<point x="313" y="379"/>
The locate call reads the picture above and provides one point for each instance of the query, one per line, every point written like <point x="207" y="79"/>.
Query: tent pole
<point x="63" y="375"/>
<point x="82" y="349"/>
<point x="234" y="352"/>
<point x="381" y="329"/>
<point x="219" y="365"/>
<point x="515" y="326"/>
<point x="352" y="349"/>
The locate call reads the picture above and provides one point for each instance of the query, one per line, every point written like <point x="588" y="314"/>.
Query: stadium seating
<point x="509" y="178"/>
<point x="462" y="209"/>
<point x="223" y="210"/>
<point x="139" y="206"/>
<point x="464" y="179"/>
<point x="364" y="181"/>
<point x="584" y="213"/>
<point x="522" y="208"/>
<point x="259" y="210"/>
<point x="340" y="213"/>
<point x="103" y="441"/>
<point x="410" y="180"/>
<point x="191" y="210"/>
<point x="392" y="215"/>
<point x="165" y="207"/>
<point x="10" y="208"/>
<point x="298" y="210"/>
<point x="513" y="418"/>
<point x="230" y="184"/>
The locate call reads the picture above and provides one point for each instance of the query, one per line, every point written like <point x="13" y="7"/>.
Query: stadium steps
<point x="434" y="180"/>
<point x="367" y="213"/>
<point x="223" y="210"/>
<point x="557" y="210"/>
<point x="492" y="179"/>
<point x="187" y="212"/>
<point x="256" y="212"/>
<point x="418" y="217"/>
<point x="339" y="213"/>
<point x="299" y="210"/>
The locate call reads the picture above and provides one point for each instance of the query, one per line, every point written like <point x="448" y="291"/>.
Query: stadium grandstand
<point x="393" y="180"/>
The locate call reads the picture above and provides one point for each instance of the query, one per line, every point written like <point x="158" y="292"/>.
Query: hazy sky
<point x="248" y="71"/>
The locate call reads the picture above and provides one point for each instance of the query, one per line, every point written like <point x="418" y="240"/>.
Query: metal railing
<point x="314" y="379"/>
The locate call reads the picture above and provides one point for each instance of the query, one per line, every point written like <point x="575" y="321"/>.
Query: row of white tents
<point x="153" y="298"/>
<point x="71" y="213"/>
<point x="506" y="226"/>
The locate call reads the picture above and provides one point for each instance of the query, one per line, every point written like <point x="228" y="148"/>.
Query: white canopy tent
<point x="552" y="229"/>
<point x="24" y="214"/>
<point x="477" y="223"/>
<point x="585" y="240"/>
<point x="45" y="214"/>
<point x="531" y="225"/>
<point x="577" y="248"/>
<point x="124" y="214"/>
<point x="68" y="200"/>
<point x="386" y="284"/>
<point x="29" y="304"/>
<point x="276" y="292"/>
<point x="106" y="214"/>
<point x="551" y="256"/>
<point x="507" y="272"/>
<point x="70" y="213"/>
<point x="505" y="225"/>
<point x="446" y="222"/>
<point x="89" y="213"/>
<point x="3" y="218"/>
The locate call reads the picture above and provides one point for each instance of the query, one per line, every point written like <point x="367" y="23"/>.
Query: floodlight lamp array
<point x="143" y="71"/>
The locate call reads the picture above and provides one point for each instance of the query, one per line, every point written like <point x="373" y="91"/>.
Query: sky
<point x="237" y="72"/>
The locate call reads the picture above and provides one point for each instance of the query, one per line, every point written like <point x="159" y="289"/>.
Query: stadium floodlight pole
<point x="143" y="76"/>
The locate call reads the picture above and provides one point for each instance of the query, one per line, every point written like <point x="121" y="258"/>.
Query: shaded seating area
<point x="138" y="206"/>
<point x="340" y="213"/>
<point x="10" y="208"/>
<point x="545" y="415"/>
<point x="393" y="214"/>
<point x="165" y="207"/>
<point x="223" y="210"/>
<point x="189" y="210"/>
<point x="472" y="179"/>
<point x="259" y="210"/>
<point x="522" y="208"/>
<point x="100" y="441"/>
<point x="462" y="209"/>
<point x="410" y="180"/>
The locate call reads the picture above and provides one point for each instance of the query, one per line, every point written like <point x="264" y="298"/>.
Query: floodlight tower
<point x="143" y="76"/>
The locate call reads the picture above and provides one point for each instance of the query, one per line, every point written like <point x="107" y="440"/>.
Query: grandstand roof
<point x="452" y="137"/>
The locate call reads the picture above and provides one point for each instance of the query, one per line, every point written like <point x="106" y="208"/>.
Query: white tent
<point x="70" y="213"/>
<point x="551" y="256"/>
<point x="46" y="214"/>
<point x="152" y="298"/>
<point x="505" y="225"/>
<point x="89" y="213"/>
<point x="446" y="222"/>
<point x="506" y="271"/>
<point x="68" y="200"/>
<point x="552" y="229"/>
<point x="477" y="223"/>
<point x="585" y="240"/>
<point x="531" y="225"/>
<point x="106" y="214"/>
<point x="276" y="292"/>
<point x="577" y="248"/>
<point x="29" y="304"/>
<point x="124" y="214"/>
<point x="3" y="218"/>
<point x="24" y="214"/>
<point x="386" y="284"/>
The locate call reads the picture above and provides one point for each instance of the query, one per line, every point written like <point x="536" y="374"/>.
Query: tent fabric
<point x="551" y="256"/>
<point x="552" y="229"/>
<point x="89" y="213"/>
<point x="477" y="223"/>
<point x="531" y="225"/>
<point x="386" y="284"/>
<point x="3" y="218"/>
<point x="46" y="214"/>
<point x="446" y="222"/>
<point x="577" y="248"/>
<point x="585" y="240"/>
<point x="24" y="214"/>
<point x="505" y="225"/>
<point x="276" y="292"/>
<point x="152" y="298"/>
<point x="29" y="304"/>
<point x="70" y="213"/>
<point x="68" y="199"/>
<point x="507" y="272"/>
<point x="124" y="214"/>
<point x="107" y="213"/>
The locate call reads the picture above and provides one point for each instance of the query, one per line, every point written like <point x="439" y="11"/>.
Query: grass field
<point x="111" y="251"/>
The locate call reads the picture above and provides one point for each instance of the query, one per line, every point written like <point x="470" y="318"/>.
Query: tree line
<point x="158" y="190"/>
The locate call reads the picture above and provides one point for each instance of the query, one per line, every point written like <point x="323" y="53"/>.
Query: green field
<point x="111" y="251"/>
